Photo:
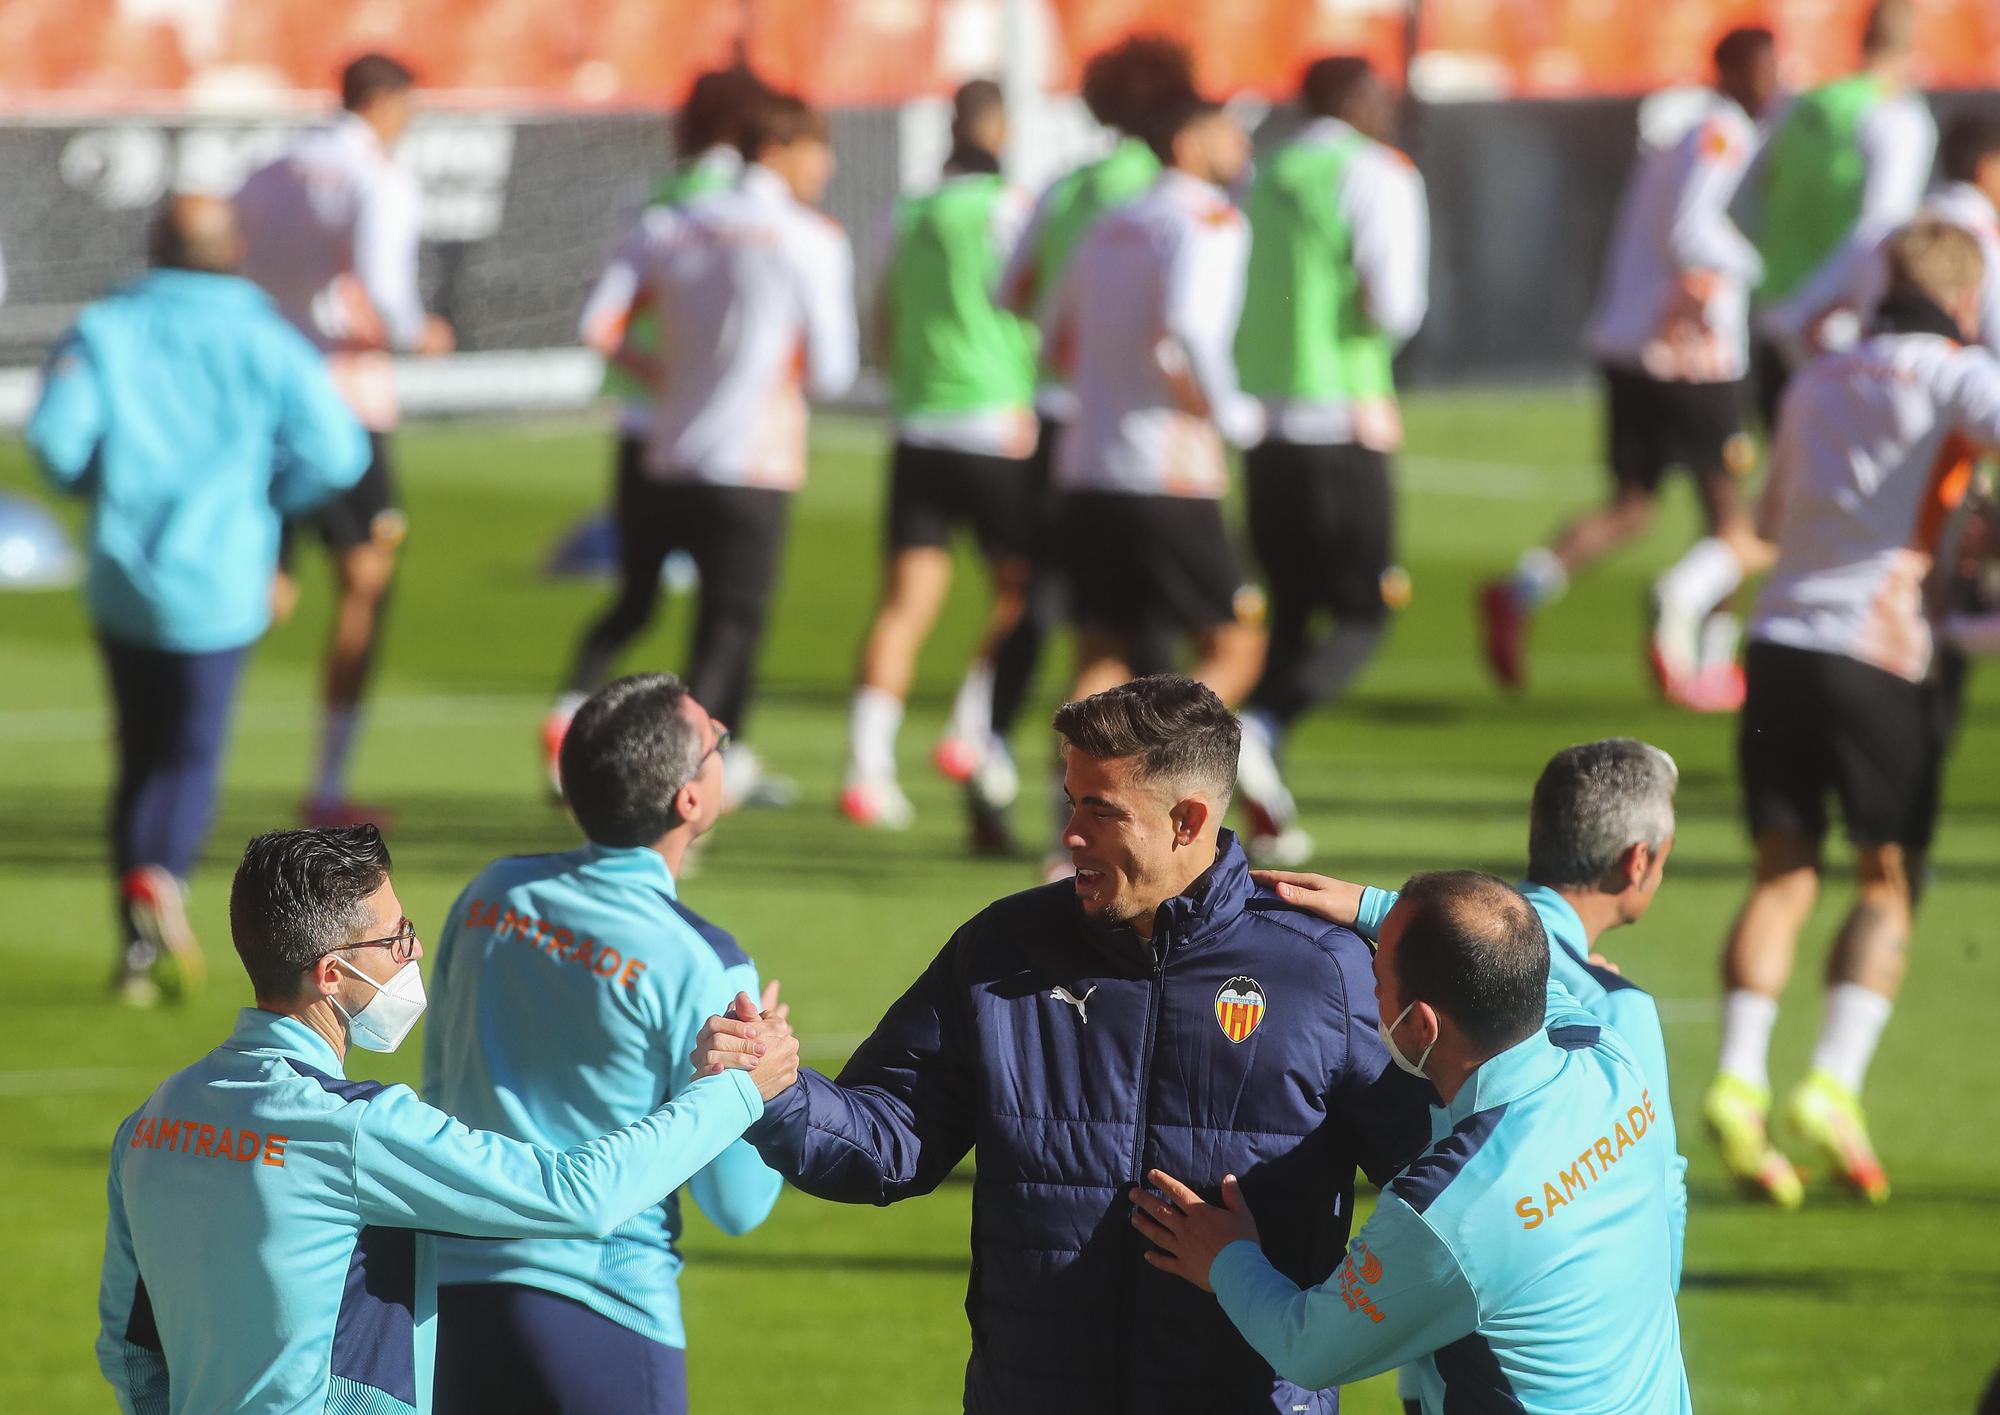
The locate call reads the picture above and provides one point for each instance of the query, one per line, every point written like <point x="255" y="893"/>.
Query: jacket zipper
<point x="1155" y="990"/>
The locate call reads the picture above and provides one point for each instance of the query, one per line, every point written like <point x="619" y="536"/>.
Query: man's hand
<point x="438" y="336"/>
<point x="1186" y="1230"/>
<point x="745" y="1039"/>
<point x="1334" y="900"/>
<point x="1600" y="961"/>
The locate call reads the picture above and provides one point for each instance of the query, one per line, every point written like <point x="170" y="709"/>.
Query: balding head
<point x="1472" y="948"/>
<point x="197" y="233"/>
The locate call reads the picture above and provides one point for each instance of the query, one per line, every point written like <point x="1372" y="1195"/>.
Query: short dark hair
<point x="719" y="109"/>
<point x="1330" y="84"/>
<point x="1177" y="728"/>
<point x="975" y="102"/>
<point x="300" y="894"/>
<point x="373" y="76"/>
<point x="1474" y="949"/>
<point x="1741" y="45"/>
<point x="1968" y="142"/>
<point x="779" y="120"/>
<point x="1169" y="122"/>
<point x="1595" y="801"/>
<point x="625" y="755"/>
<point x="1124" y="85"/>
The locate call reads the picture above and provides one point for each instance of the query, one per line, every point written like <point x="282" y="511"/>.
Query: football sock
<point x="336" y="746"/>
<point x="1747" y="1019"/>
<point x="1538" y="578"/>
<point x="568" y="702"/>
<point x="872" y="724"/>
<point x="1854" y="1019"/>
<point x="972" y="709"/>
<point x="1703" y="578"/>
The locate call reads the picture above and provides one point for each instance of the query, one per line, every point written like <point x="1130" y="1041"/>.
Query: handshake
<point x="751" y="1038"/>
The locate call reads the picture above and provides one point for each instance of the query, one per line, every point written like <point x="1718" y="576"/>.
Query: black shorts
<point x="1322" y="521"/>
<point x="734" y="534"/>
<point x="1652" y="426"/>
<point x="933" y="489"/>
<point x="1138" y="564"/>
<point x="367" y="512"/>
<point x="1771" y="373"/>
<point x="1820" y="724"/>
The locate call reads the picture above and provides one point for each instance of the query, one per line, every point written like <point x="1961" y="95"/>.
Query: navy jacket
<point x="1074" y="1058"/>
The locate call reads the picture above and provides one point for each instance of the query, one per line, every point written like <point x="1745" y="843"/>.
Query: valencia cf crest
<point x="1239" y="1007"/>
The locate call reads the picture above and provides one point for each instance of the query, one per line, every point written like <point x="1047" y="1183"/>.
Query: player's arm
<point x="387" y="233"/>
<point x="1783" y="466"/>
<point x="1390" y="218"/>
<point x="826" y="297"/>
<point x="128" y="1342"/>
<point x="1204" y="300"/>
<point x="899" y="1116"/>
<point x="1635" y="1016"/>
<point x="1700" y="233"/>
<point x="1018" y="290"/>
<point x="620" y="293"/>
<point x="1397" y="1296"/>
<point x="416" y="1167"/>
<point x="321" y="450"/>
<point x="736" y="1189"/>
<point x="68" y="422"/>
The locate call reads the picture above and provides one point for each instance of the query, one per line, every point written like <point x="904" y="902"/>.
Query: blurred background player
<point x="567" y="991"/>
<point x="1670" y="334"/>
<point x="1144" y="323"/>
<point x="962" y="381"/>
<point x="1969" y="199"/>
<point x="333" y="228"/>
<point x="742" y="280"/>
<point x="1871" y="459"/>
<point x="191" y="417"/>
<point x="1847" y="162"/>
<point x="1123" y="88"/>
<point x="1339" y="265"/>
<point x="710" y="131"/>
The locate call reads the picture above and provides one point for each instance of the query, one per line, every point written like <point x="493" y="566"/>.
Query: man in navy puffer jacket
<point x="1158" y="1011"/>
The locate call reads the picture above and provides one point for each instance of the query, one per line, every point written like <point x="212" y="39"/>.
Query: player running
<point x="962" y="380"/>
<point x="1123" y="88"/>
<point x="1871" y="460"/>
<point x="1969" y="199"/>
<point x="744" y="280"/>
<point x="333" y="228"/>
<point x="1339" y="264"/>
<point x="1670" y="334"/>
<point x="1144" y="323"/>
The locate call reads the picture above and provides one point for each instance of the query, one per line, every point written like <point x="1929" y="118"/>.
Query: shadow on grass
<point x="738" y="1257"/>
<point x="1919" y="1284"/>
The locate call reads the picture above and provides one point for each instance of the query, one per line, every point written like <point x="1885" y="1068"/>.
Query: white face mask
<point x="1415" y="1068"/>
<point x="389" y="1015"/>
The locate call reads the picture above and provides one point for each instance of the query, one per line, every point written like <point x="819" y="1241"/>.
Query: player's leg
<point x="1015" y="657"/>
<point x="1694" y="637"/>
<point x="1633" y="436"/>
<point x="1784" y="763"/>
<point x="1887" y="756"/>
<point x="364" y="532"/>
<point x="646" y="535"/>
<point x="502" y="1346"/>
<point x="1003" y="506"/>
<point x="1288" y="525"/>
<point x="737" y="538"/>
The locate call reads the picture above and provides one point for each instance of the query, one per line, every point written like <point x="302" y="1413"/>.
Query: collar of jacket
<point x="201" y="286"/>
<point x="635" y="864"/>
<point x="1208" y="907"/>
<point x="1526" y="1066"/>
<point x="258" y="1030"/>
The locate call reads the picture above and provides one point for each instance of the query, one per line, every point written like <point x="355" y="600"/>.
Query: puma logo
<point x="1081" y="1004"/>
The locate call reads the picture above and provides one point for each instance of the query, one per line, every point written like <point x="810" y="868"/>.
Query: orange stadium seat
<point x="848" y="54"/>
<point x="647" y="52"/>
<point x="46" y="44"/>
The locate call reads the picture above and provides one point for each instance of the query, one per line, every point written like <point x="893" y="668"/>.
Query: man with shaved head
<point x="191" y="417"/>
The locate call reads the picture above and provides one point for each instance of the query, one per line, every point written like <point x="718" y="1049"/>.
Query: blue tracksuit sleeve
<point x="899" y="1117"/>
<point x="1398" y="1295"/>
<point x="416" y="1167"/>
<point x="1635" y="1016"/>
<point x="736" y="1189"/>
<point x="321" y="449"/>
<point x="128" y="1344"/>
<point x="1374" y="908"/>
<point x="68" y="422"/>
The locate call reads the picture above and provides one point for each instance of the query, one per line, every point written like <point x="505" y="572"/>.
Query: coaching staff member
<point x="1522" y="1261"/>
<point x="1158" y="1011"/>
<point x="270" y="1236"/>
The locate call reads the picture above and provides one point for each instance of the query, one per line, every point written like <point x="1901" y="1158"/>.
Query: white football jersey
<point x="1960" y="204"/>
<point x="1145" y="323"/>
<point x="331" y="231"/>
<point x="1872" y="457"/>
<point x="755" y="296"/>
<point x="1675" y="301"/>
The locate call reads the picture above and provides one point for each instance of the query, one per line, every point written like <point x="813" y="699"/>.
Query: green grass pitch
<point x="836" y="1309"/>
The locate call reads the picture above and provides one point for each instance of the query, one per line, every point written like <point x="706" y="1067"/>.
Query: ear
<point x="1190" y="817"/>
<point x="1633" y="863"/>
<point x="1429" y="1023"/>
<point x="323" y="978"/>
<point x="687" y="800"/>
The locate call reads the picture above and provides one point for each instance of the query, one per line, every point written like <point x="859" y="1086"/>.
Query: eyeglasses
<point x="722" y="741"/>
<point x="402" y="944"/>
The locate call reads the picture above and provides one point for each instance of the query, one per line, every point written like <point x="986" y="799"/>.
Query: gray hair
<point x="1593" y="802"/>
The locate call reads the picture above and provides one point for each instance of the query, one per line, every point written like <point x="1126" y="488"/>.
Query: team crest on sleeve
<point x="1239" y="1007"/>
